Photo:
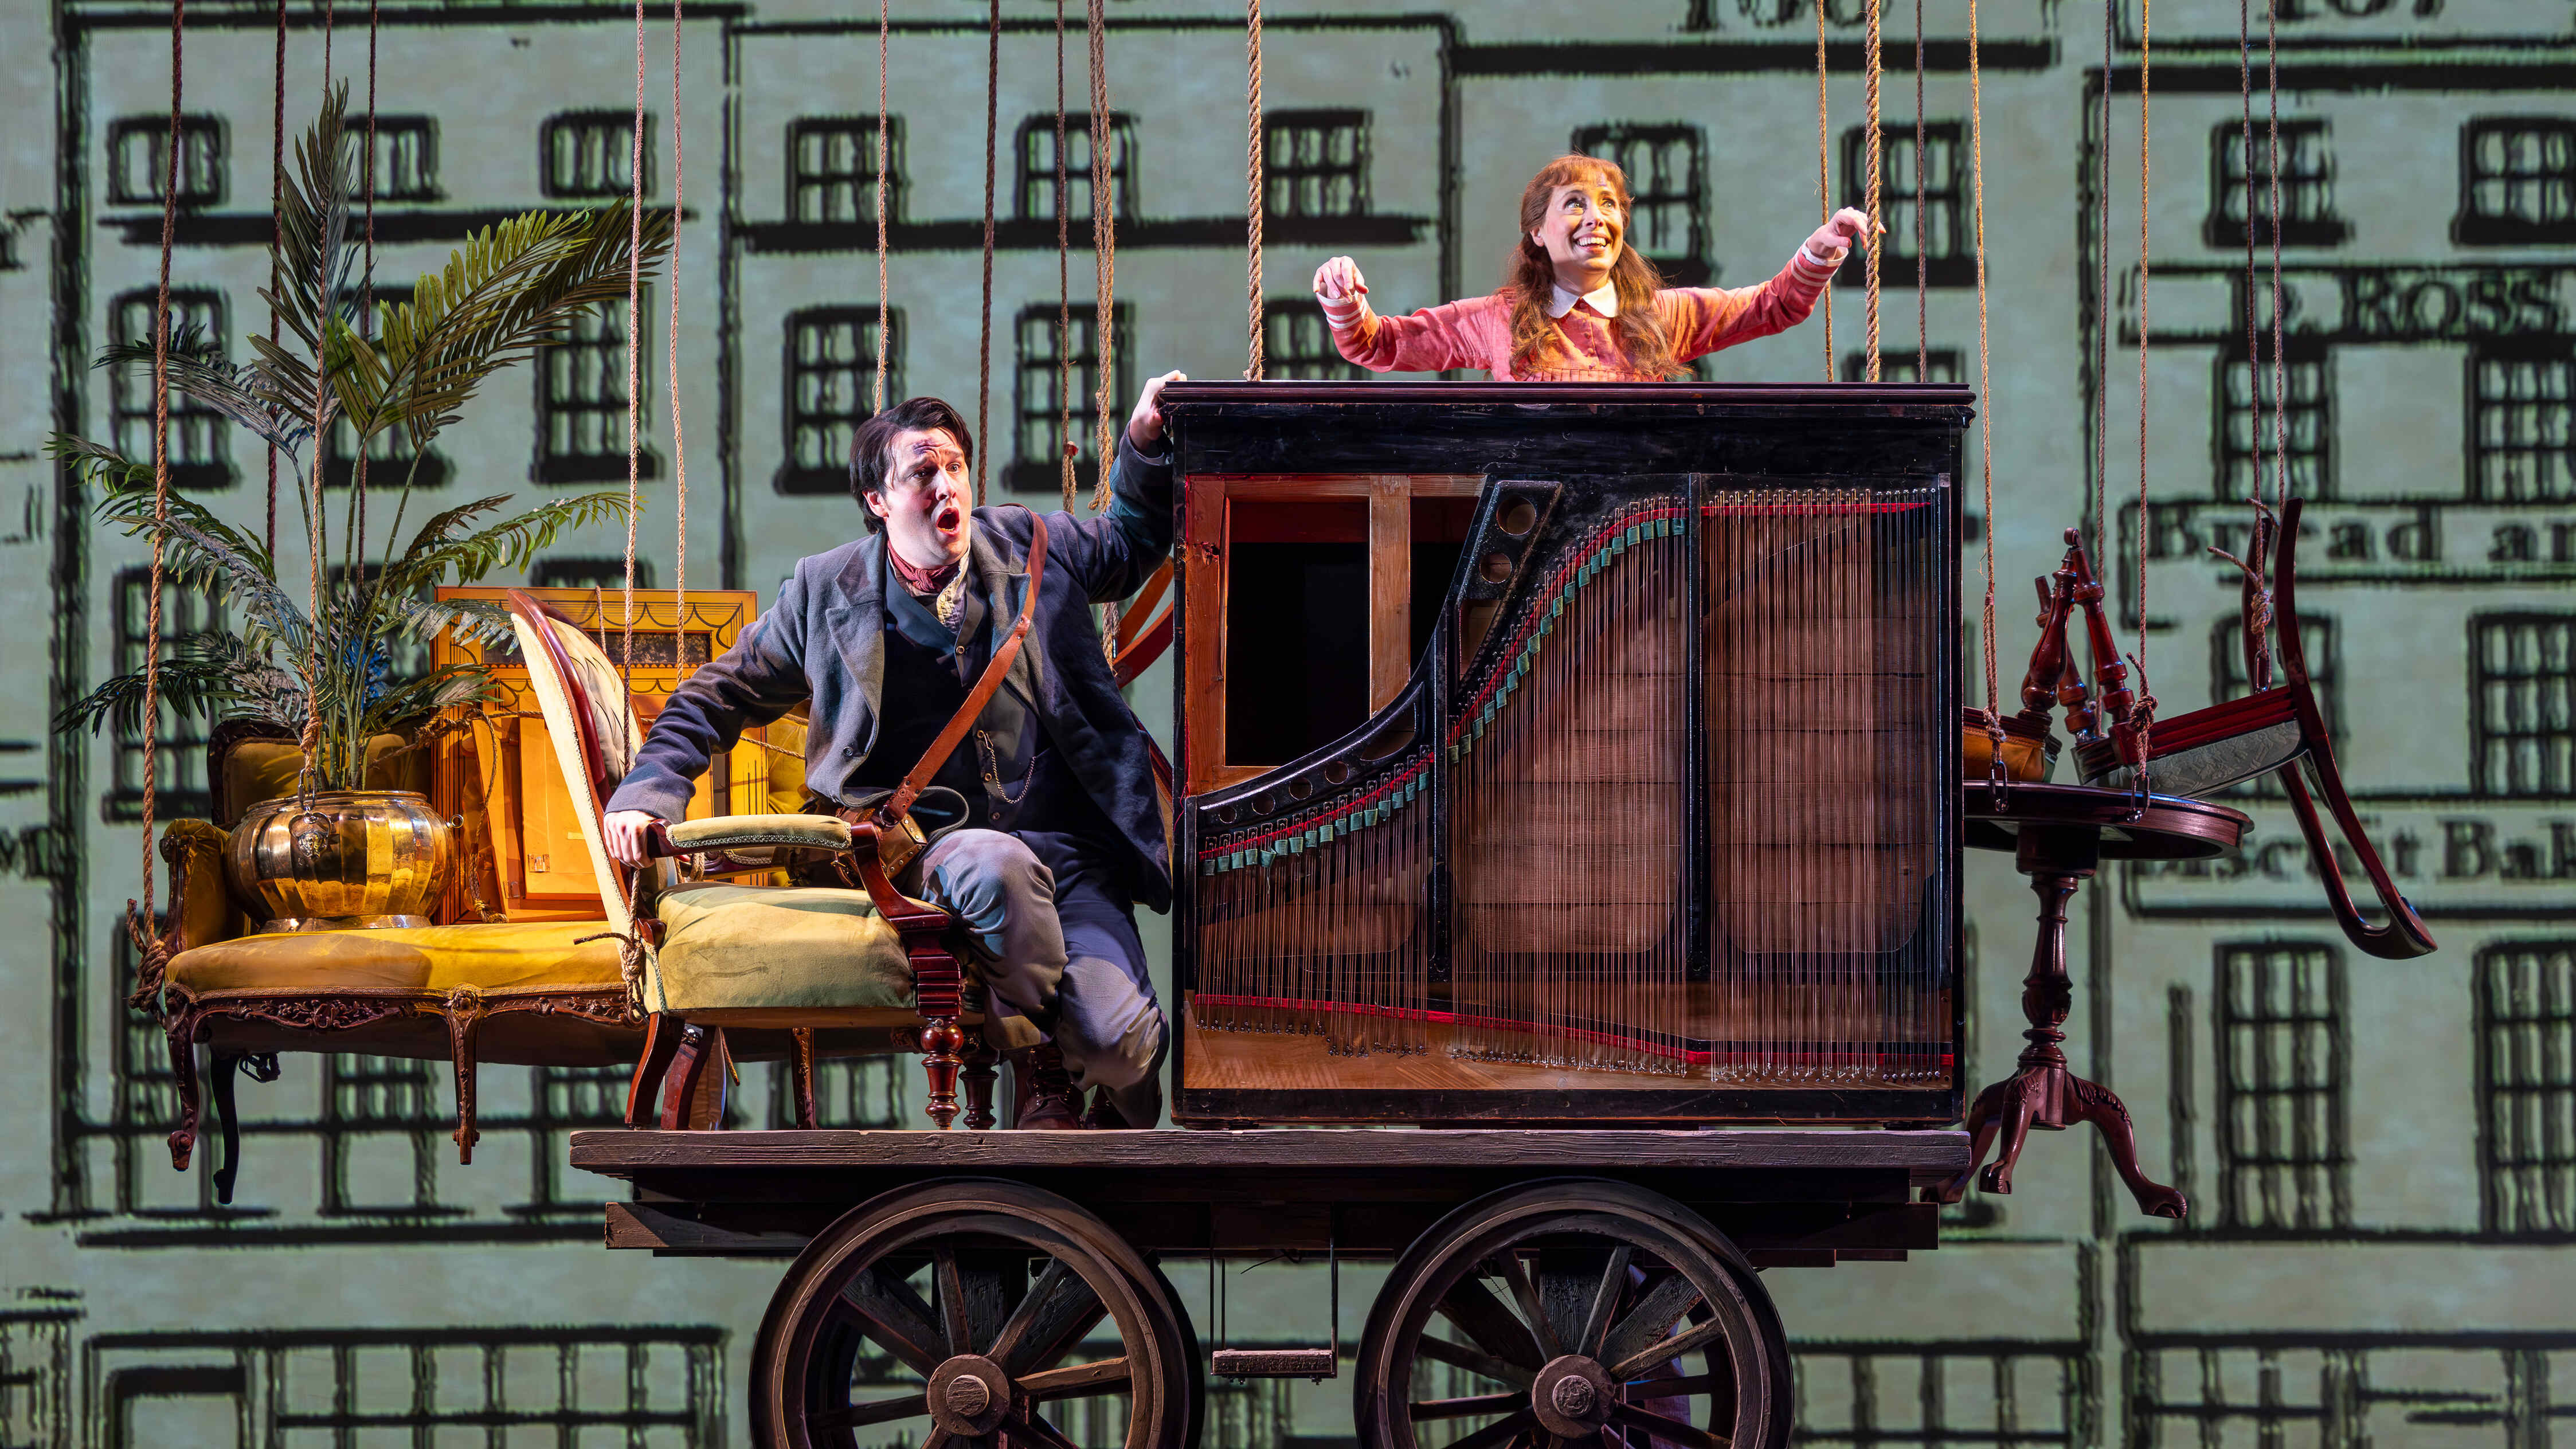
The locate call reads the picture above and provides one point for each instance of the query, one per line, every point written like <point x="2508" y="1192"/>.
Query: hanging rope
<point x="885" y="323"/>
<point x="1255" y="187"/>
<point x="1985" y="379"/>
<point x="2100" y="487"/>
<point x="1067" y="449"/>
<point x="276" y="232"/>
<point x="634" y="323"/>
<point x="2145" y="710"/>
<point x="1877" y="146"/>
<point x="984" y="346"/>
<point x="2253" y="347"/>
<point x="2280" y="362"/>
<point x="1824" y="182"/>
<point x="1104" y="253"/>
<point x="1922" y="267"/>
<point x="316" y="526"/>
<point x="138" y="918"/>
<point x="357" y="553"/>
<point x="679" y="438"/>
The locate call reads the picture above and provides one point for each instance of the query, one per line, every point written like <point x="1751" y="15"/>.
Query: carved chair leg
<point x="662" y="1033"/>
<point x="2020" y="1110"/>
<point x="1983" y="1118"/>
<point x="801" y="1068"/>
<point x="221" y="1069"/>
<point x="941" y="1041"/>
<point x="183" y="1069"/>
<point x="981" y="1068"/>
<point x="715" y="1084"/>
<point x="464" y="1023"/>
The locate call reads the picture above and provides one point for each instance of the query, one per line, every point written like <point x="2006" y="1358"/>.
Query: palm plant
<point x="322" y="669"/>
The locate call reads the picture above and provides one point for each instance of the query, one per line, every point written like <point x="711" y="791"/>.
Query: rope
<point x="2144" y="712"/>
<point x="1066" y="449"/>
<point x="366" y="308"/>
<point x="138" y="918"/>
<point x="1985" y="375"/>
<point x="2280" y="364"/>
<point x="634" y="320"/>
<point x="679" y="438"/>
<point x="1869" y="265"/>
<point x="2100" y="487"/>
<point x="1824" y="183"/>
<point x="2253" y="346"/>
<point x="276" y="232"/>
<point x="314" y="523"/>
<point x="885" y="324"/>
<point x="1255" y="187"/>
<point x="1104" y="253"/>
<point x="1922" y="264"/>
<point x="984" y="347"/>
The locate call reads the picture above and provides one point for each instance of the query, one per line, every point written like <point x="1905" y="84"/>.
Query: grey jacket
<point x="824" y="641"/>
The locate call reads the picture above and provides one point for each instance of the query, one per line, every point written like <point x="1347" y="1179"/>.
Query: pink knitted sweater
<point x="1476" y="332"/>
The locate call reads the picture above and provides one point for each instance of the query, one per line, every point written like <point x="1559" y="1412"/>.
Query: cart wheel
<point x="1574" y="1313"/>
<point x="963" y="1308"/>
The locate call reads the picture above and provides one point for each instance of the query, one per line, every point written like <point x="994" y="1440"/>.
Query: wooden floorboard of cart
<point x="1788" y="1195"/>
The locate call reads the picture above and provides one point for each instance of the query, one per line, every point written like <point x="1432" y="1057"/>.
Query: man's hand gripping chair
<point x="836" y="971"/>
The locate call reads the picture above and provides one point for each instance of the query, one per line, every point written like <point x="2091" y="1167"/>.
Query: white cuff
<point x="1822" y="264"/>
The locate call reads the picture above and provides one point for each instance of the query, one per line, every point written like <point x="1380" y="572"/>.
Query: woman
<point x="1579" y="305"/>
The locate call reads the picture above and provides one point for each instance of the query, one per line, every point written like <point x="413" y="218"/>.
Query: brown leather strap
<point x="899" y="804"/>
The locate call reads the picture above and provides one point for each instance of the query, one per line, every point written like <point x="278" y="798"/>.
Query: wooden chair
<point x="836" y="970"/>
<point x="2275" y="730"/>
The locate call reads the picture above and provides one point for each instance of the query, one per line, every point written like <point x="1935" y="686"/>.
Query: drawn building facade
<point x="2382" y="1156"/>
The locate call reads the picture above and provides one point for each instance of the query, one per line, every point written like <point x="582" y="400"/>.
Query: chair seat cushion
<point x="731" y="947"/>
<point x="511" y="956"/>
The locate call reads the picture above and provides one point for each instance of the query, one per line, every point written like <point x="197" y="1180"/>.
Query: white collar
<point x="1604" y="300"/>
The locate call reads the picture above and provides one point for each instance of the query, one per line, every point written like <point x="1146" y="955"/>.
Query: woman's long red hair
<point x="1532" y="277"/>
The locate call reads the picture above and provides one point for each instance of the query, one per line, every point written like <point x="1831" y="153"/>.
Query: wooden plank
<point x="643" y="1225"/>
<point x="1390" y="616"/>
<point x="1201" y="571"/>
<point x="1282" y="1150"/>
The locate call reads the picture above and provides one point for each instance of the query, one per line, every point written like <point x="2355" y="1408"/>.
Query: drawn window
<point x="1039" y="395"/>
<point x="1297" y="344"/>
<point x="2527" y="1086"/>
<point x="200" y="451"/>
<point x="2522" y="715"/>
<point x="2517" y="181"/>
<point x="1667" y="168"/>
<point x="2228" y="680"/>
<point x="139" y="160"/>
<point x="2306" y="154"/>
<point x="1037" y="167"/>
<point x="2522" y="401"/>
<point x="1901" y="364"/>
<point x="591" y="155"/>
<point x="406" y="158"/>
<point x="1948" y="244"/>
<point x="1883" y="1396"/>
<point x="384" y="1121"/>
<point x="594" y="571"/>
<point x="831" y="372"/>
<point x="2281" y="1079"/>
<point x="581" y="399"/>
<point x="832" y="170"/>
<point x="180" y="739"/>
<point x="849" y="1092"/>
<point x="1315" y="163"/>
<point x="2248" y="394"/>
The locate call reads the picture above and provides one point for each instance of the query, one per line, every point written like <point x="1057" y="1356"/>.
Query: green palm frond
<point x="244" y="394"/>
<point x="207" y="674"/>
<point x="466" y="619"/>
<point x="512" y="543"/>
<point x="442" y="688"/>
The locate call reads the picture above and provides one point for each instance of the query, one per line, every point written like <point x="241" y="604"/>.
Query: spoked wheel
<point x="960" y="1311"/>
<point x="1573" y="1313"/>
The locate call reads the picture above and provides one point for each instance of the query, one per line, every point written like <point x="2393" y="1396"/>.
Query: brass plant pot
<point x="340" y="860"/>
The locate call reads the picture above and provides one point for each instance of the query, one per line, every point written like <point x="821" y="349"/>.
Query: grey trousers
<point x="1057" y="942"/>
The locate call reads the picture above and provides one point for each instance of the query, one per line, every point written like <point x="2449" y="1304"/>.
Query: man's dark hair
<point x="876" y="436"/>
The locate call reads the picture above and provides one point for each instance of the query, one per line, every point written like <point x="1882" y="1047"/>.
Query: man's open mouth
<point x="948" y="519"/>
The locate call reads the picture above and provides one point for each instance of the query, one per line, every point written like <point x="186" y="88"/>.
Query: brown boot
<point x="1047" y="1099"/>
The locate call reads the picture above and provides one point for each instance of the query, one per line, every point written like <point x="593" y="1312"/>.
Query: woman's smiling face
<point x="1583" y="228"/>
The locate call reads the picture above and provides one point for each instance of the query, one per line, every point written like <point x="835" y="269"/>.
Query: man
<point x="886" y="636"/>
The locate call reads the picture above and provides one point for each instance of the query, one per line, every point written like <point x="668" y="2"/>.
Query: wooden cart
<point x="1547" y="1287"/>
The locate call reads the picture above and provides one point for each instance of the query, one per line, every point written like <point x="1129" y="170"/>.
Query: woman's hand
<point x="627" y="832"/>
<point x="1830" y="242"/>
<point x="1145" y="424"/>
<point x="1339" y="280"/>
